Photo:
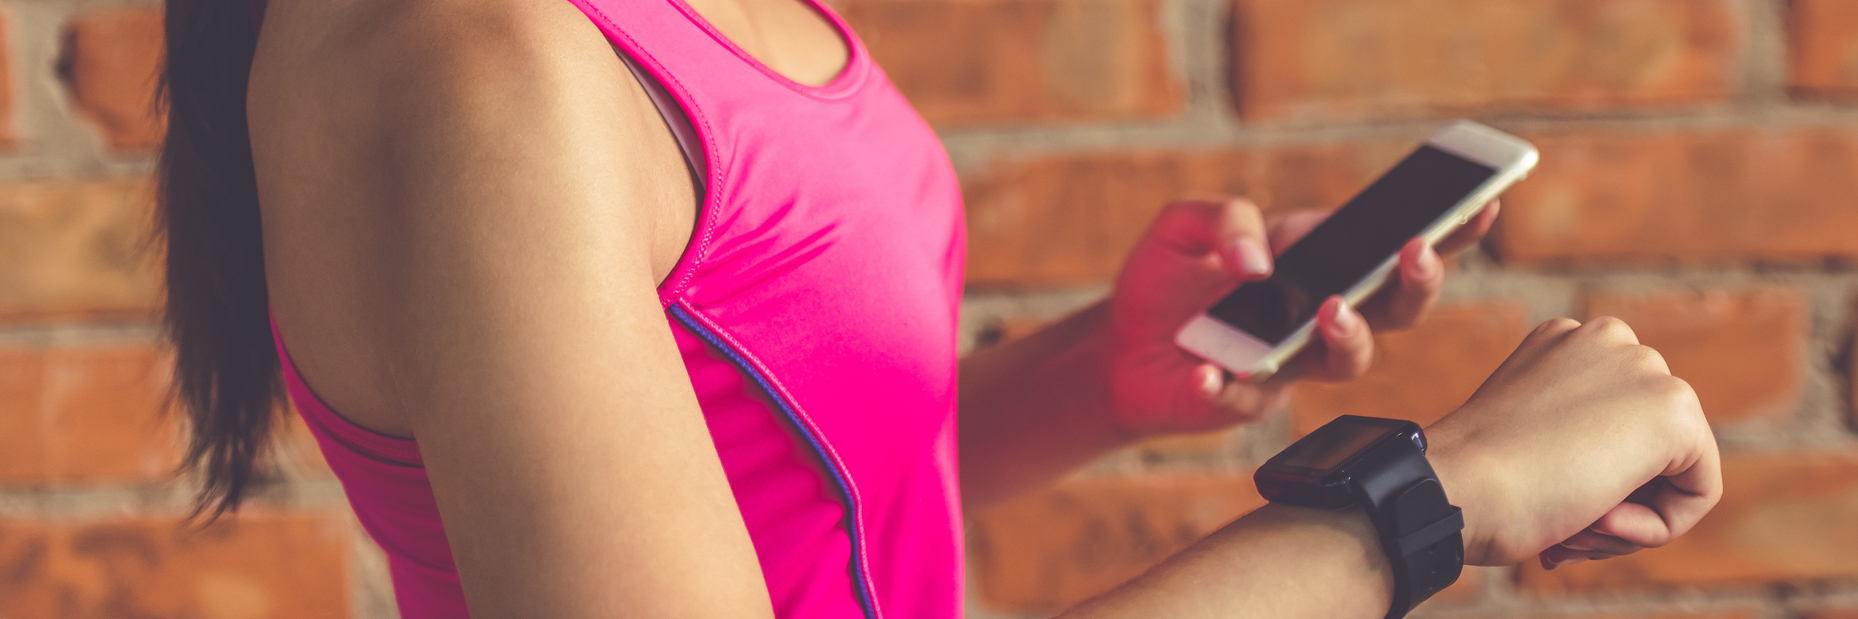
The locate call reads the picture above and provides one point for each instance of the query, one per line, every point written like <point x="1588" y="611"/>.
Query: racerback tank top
<point x="815" y="310"/>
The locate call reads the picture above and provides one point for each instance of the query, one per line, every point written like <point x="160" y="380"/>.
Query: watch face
<point x="1331" y="445"/>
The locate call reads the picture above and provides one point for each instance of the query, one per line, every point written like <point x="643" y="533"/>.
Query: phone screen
<point x="1348" y="246"/>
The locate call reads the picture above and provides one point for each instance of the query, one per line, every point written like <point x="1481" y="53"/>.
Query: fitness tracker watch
<point x="1379" y="465"/>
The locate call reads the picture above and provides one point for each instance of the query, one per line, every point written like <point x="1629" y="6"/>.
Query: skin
<point x="1581" y="446"/>
<point x="468" y="205"/>
<point x="1110" y="375"/>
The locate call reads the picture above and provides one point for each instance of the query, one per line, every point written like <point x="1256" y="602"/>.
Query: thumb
<point x="1233" y="229"/>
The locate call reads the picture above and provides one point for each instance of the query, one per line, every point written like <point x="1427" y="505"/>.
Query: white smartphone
<point x="1432" y="192"/>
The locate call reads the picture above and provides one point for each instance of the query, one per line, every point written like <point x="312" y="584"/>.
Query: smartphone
<point x="1432" y="192"/>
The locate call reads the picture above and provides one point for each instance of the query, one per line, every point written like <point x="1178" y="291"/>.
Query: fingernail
<point x="1562" y="563"/>
<point x="1427" y="266"/>
<point x="1211" y="381"/>
<point x="1253" y="258"/>
<point x="1344" y="323"/>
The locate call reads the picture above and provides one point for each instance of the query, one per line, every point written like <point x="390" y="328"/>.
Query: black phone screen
<point x="1348" y="246"/>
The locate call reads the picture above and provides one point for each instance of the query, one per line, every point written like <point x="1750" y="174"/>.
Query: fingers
<point x="1588" y="545"/>
<point x="1611" y="328"/>
<point x="1637" y="524"/>
<point x="1547" y="333"/>
<point x="1678" y="499"/>
<point x="1562" y="556"/>
<point x="1209" y="380"/>
<point x="1231" y="399"/>
<point x="1342" y="346"/>
<point x="1414" y="288"/>
<point x="1659" y="511"/>
<point x="1592" y="541"/>
<point x="1234" y="230"/>
<point x="1627" y="528"/>
<point x="1472" y="231"/>
<point x="1557" y="556"/>
<point x="1605" y="331"/>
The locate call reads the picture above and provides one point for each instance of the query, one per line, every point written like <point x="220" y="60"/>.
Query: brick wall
<point x="1699" y="179"/>
<point x="90" y="511"/>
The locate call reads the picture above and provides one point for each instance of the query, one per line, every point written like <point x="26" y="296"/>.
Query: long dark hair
<point x="226" y="368"/>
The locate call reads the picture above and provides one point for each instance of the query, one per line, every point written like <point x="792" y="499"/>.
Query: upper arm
<point x="489" y="223"/>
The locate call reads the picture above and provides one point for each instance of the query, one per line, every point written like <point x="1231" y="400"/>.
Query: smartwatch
<point x="1379" y="465"/>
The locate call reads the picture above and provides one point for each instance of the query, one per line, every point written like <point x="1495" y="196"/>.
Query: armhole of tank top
<point x="674" y="118"/>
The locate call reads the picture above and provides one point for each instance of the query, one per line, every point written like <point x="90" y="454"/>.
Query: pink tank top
<point x="815" y="310"/>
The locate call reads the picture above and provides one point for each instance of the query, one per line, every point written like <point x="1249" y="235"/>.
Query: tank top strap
<point x="671" y="37"/>
<point x="707" y="74"/>
<point x="728" y="96"/>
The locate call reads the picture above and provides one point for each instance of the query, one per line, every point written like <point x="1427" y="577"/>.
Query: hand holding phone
<point x="1254" y="330"/>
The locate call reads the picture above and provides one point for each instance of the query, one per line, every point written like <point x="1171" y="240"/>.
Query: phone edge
<point x="1508" y="174"/>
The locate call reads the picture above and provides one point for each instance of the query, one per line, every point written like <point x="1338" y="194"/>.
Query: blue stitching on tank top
<point x="838" y="477"/>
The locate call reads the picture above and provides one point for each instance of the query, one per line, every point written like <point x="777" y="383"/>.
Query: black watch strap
<point x="1378" y="466"/>
<point x="1420" y="530"/>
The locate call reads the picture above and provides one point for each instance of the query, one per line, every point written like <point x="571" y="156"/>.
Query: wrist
<point x="1378" y="466"/>
<point x="1470" y="485"/>
<point x="1076" y="369"/>
<point x="1092" y="356"/>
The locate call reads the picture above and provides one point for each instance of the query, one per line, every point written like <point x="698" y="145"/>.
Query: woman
<point x="667" y="293"/>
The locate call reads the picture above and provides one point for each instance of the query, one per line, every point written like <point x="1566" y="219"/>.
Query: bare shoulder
<point x="423" y="148"/>
<point x="465" y="206"/>
<point x="352" y="103"/>
<point x="469" y="41"/>
<point x="418" y="55"/>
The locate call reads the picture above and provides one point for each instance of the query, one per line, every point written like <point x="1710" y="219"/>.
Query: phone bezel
<point x="1253" y="359"/>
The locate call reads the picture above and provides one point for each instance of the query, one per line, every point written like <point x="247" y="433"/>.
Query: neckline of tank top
<point x="849" y="78"/>
<point x="843" y="85"/>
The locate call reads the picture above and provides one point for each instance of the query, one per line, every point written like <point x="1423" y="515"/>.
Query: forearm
<point x="1277" y="562"/>
<point x="1036" y="408"/>
<point x="1288" y="561"/>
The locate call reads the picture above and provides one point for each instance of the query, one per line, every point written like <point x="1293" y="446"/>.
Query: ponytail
<point x="226" y="365"/>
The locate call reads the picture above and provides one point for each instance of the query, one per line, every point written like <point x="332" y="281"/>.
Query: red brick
<point x="1423" y="373"/>
<point x="1823" y="48"/>
<point x="1056" y="548"/>
<point x="1783" y="518"/>
<point x="1739" y="350"/>
<point x="74" y="250"/>
<point x="1022" y="60"/>
<point x="277" y="566"/>
<point x="1071" y="220"/>
<point x="1341" y="59"/>
<point x="1657" y="198"/>
<point x="85" y="415"/>
<point x="112" y="60"/>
